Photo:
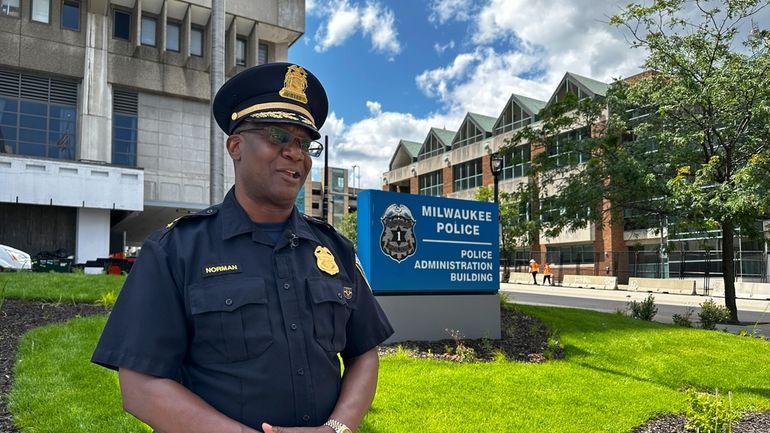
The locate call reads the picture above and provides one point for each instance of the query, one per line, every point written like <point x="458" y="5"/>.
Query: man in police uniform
<point x="232" y="318"/>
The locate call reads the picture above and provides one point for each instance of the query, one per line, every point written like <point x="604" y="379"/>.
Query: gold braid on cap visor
<point x="272" y="106"/>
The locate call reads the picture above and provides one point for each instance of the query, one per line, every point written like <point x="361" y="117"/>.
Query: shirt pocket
<point x="331" y="311"/>
<point x="231" y="320"/>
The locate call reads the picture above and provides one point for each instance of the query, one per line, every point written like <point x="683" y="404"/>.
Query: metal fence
<point x="706" y="265"/>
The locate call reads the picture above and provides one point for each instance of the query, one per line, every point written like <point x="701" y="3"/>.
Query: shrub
<point x="462" y="353"/>
<point x="712" y="313"/>
<point x="709" y="413"/>
<point x="644" y="310"/>
<point x="108" y="299"/>
<point x="683" y="319"/>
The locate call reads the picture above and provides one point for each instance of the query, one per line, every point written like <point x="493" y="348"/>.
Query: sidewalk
<point x="759" y="309"/>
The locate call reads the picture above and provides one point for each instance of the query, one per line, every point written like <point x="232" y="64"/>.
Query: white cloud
<point x="441" y="48"/>
<point x="341" y="20"/>
<point x="379" y="24"/>
<point x="445" y="10"/>
<point x="342" y="23"/>
<point x="370" y="143"/>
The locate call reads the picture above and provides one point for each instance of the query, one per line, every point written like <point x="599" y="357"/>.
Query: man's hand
<point x="267" y="428"/>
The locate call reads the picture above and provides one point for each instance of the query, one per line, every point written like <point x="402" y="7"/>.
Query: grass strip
<point x="59" y="287"/>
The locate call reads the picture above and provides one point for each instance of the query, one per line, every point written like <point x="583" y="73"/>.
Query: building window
<point x="172" y="36"/>
<point x="10" y="8"/>
<point x="196" y="42"/>
<point x="566" y="148"/>
<point x="571" y="255"/>
<point x="41" y="11"/>
<point x="149" y="31"/>
<point x="38" y="116"/>
<point x="432" y="183"/>
<point x="121" y="25"/>
<point x="467" y="175"/>
<point x="70" y="15"/>
<point x="262" y="54"/>
<point x="516" y="163"/>
<point x="124" y="126"/>
<point x="240" y="52"/>
<point x="432" y="148"/>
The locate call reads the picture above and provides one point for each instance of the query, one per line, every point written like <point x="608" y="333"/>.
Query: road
<point x="755" y="314"/>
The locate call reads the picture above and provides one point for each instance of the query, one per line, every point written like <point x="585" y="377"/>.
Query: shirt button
<point x="228" y="302"/>
<point x="301" y="372"/>
<point x="306" y="418"/>
<point x="286" y="286"/>
<point x="293" y="326"/>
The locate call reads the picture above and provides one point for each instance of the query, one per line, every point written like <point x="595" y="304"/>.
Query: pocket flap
<point x="327" y="290"/>
<point x="227" y="296"/>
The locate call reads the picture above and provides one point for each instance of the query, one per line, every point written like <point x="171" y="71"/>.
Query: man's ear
<point x="233" y="144"/>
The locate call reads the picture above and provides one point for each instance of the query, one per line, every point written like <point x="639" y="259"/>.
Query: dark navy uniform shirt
<point x="250" y="325"/>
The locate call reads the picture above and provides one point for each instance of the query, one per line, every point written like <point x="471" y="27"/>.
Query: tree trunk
<point x="728" y="269"/>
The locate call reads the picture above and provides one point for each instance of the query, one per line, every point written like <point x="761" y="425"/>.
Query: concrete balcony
<point x="583" y="235"/>
<point x="53" y="182"/>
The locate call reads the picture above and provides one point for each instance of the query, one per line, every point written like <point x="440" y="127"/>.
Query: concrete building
<point x="104" y="113"/>
<point x="342" y="197"/>
<point x="455" y="163"/>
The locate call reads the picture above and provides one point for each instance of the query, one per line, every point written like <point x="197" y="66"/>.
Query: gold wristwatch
<point x="338" y="426"/>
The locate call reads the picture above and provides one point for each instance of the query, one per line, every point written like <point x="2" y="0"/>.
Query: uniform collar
<point x="236" y="222"/>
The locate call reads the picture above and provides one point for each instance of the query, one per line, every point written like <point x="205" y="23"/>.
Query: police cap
<point x="272" y="93"/>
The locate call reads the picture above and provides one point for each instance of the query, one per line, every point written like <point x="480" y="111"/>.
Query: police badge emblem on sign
<point x="397" y="240"/>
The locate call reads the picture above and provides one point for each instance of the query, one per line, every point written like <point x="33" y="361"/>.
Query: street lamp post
<point x="496" y="165"/>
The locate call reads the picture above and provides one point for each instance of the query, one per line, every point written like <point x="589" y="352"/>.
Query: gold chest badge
<point x="325" y="260"/>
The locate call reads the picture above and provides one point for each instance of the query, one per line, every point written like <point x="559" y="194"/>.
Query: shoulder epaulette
<point x="205" y="212"/>
<point x="319" y="221"/>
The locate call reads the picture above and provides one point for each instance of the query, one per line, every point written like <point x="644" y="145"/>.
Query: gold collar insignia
<point x="325" y="260"/>
<point x="294" y="84"/>
<point x="347" y="292"/>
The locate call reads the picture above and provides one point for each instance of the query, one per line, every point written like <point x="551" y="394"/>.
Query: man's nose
<point x="293" y="150"/>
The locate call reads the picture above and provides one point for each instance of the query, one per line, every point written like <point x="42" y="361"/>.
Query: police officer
<point x="232" y="318"/>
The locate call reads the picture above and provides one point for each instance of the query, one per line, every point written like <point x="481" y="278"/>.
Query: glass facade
<point x="196" y="42"/>
<point x="70" y="15"/>
<point x="467" y="175"/>
<point x="38" y="116"/>
<point x="121" y="25"/>
<point x="240" y="52"/>
<point x="41" y="11"/>
<point x="149" y="30"/>
<point x="172" y="36"/>
<point x="432" y="183"/>
<point x="262" y="54"/>
<point x="516" y="163"/>
<point x="124" y="127"/>
<point x="10" y="8"/>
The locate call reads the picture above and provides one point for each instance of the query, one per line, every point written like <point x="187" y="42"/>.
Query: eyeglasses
<point x="283" y="138"/>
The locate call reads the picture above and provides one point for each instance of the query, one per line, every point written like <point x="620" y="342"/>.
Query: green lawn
<point x="618" y="373"/>
<point x="40" y="286"/>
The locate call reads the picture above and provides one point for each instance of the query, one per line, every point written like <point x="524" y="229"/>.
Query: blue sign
<point x="420" y="244"/>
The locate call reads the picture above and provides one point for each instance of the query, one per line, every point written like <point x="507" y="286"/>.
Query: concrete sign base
<point x="428" y="317"/>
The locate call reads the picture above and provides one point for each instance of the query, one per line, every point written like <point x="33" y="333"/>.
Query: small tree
<point x="349" y="227"/>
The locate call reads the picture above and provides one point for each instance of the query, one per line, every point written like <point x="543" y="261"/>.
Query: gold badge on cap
<point x="347" y="292"/>
<point x="325" y="260"/>
<point x="294" y="84"/>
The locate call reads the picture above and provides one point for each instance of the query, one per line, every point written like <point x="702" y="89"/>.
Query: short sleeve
<point x="368" y="326"/>
<point x="147" y="329"/>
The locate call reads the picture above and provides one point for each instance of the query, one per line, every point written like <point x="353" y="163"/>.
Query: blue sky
<point x="394" y="69"/>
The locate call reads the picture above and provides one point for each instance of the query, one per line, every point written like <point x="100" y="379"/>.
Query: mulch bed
<point x="16" y="318"/>
<point x="523" y="339"/>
